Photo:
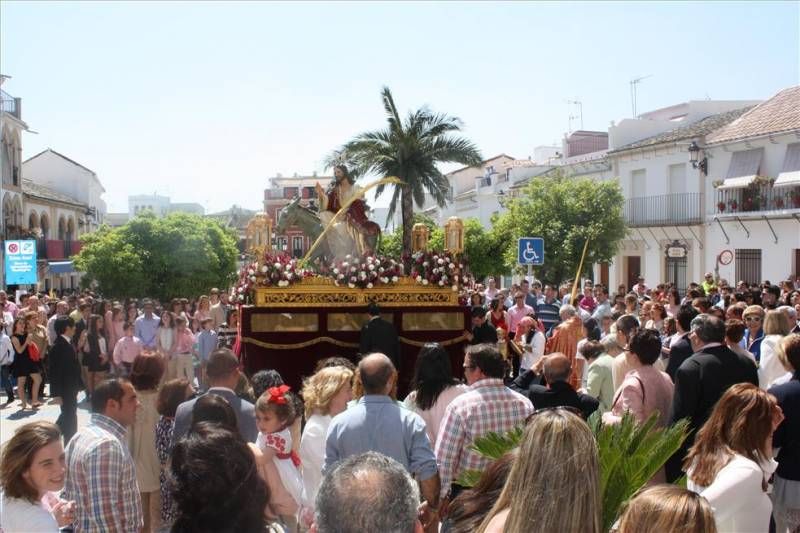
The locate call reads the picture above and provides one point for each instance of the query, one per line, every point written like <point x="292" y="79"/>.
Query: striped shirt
<point x="101" y="479"/>
<point x="487" y="406"/>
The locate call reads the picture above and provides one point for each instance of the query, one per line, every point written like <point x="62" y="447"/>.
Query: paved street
<point x="12" y="417"/>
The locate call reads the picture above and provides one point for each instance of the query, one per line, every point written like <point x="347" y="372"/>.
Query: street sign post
<point x="20" y="262"/>
<point x="530" y="252"/>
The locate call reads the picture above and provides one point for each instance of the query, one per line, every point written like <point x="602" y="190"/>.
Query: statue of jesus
<point x="352" y="232"/>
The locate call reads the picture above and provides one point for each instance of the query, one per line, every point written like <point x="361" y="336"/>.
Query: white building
<point x="753" y="184"/>
<point x="61" y="174"/>
<point x="11" y="128"/>
<point x="665" y="197"/>
<point x="160" y="206"/>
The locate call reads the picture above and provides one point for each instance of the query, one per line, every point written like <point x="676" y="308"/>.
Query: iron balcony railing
<point x="9" y="103"/>
<point x="679" y="209"/>
<point x="756" y="198"/>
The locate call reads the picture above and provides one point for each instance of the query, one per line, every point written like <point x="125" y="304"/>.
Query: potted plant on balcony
<point x="721" y="207"/>
<point x="779" y="203"/>
<point x="734" y="205"/>
<point x="795" y="196"/>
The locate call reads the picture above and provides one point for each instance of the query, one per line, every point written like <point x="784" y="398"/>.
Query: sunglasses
<point x="752" y="319"/>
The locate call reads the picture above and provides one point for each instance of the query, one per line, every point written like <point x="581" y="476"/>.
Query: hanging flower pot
<point x="734" y="205"/>
<point x="721" y="207"/>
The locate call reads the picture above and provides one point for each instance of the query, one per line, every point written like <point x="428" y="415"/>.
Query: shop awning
<point x="790" y="173"/>
<point x="743" y="169"/>
<point x="60" y="267"/>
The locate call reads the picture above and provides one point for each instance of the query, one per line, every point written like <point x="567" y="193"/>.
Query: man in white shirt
<point x="491" y="291"/>
<point x="603" y="306"/>
<point x="62" y="308"/>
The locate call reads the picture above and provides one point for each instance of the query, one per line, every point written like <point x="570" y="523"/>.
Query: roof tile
<point x="779" y="114"/>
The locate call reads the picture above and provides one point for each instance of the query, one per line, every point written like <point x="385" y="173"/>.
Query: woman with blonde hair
<point x="203" y="309"/>
<point x="554" y="484"/>
<point x="325" y="395"/>
<point x="664" y="508"/>
<point x="731" y="459"/>
<point x="776" y="327"/>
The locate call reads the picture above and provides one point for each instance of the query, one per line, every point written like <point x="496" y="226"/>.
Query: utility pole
<point x="634" y="86"/>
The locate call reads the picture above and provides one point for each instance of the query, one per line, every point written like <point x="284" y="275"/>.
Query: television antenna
<point x="634" y="87"/>
<point x="579" y="104"/>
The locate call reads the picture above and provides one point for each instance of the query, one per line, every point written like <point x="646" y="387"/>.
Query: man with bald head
<point x="558" y="392"/>
<point x="378" y="424"/>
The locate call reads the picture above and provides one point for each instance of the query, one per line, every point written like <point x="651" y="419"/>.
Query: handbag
<point x="33" y="353"/>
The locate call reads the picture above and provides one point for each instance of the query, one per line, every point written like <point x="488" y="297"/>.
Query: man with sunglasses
<point x="487" y="406"/>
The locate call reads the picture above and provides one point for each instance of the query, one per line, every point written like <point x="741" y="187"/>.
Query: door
<point x="604" y="274"/>
<point x="676" y="272"/>
<point x="633" y="267"/>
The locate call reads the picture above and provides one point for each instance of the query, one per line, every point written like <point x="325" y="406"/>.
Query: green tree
<point x="564" y="212"/>
<point x="409" y="149"/>
<point x="179" y="255"/>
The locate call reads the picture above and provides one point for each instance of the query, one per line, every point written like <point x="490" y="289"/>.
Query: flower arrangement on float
<point x="437" y="268"/>
<point x="273" y="270"/>
<point x="364" y="272"/>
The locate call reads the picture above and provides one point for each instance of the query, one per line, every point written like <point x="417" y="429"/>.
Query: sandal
<point x="36" y="405"/>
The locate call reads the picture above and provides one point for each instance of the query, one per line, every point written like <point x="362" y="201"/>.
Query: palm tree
<point x="410" y="150"/>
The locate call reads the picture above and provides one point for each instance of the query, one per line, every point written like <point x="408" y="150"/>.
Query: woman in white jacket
<point x="6" y="359"/>
<point x="770" y="368"/>
<point x="731" y="461"/>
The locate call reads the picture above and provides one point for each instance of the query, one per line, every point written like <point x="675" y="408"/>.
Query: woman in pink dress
<point x="115" y="326"/>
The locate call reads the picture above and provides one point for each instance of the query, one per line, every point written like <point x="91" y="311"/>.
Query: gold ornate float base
<point x="322" y="292"/>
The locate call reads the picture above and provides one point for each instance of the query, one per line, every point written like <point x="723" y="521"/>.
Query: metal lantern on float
<point x="454" y="235"/>
<point x="259" y="230"/>
<point x="419" y="237"/>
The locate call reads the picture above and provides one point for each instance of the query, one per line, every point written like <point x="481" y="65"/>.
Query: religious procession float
<point x="296" y="311"/>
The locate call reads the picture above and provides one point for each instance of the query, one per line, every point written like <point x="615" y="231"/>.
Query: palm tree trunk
<point x="407" y="213"/>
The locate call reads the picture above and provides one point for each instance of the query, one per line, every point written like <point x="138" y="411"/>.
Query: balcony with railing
<point x="679" y="209"/>
<point x="757" y="198"/>
<point x="57" y="249"/>
<point x="9" y="104"/>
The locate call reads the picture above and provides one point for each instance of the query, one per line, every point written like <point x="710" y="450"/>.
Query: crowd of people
<point x="181" y="440"/>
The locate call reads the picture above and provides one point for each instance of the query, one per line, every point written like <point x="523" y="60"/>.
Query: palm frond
<point x="629" y="454"/>
<point x="392" y="116"/>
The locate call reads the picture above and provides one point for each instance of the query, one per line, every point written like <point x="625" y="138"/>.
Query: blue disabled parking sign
<point x="530" y="251"/>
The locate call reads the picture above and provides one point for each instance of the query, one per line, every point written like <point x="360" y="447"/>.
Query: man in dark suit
<point x="379" y="336"/>
<point x="482" y="331"/>
<point x="65" y="376"/>
<point x="558" y="392"/>
<point x="681" y="349"/>
<point x="222" y="371"/>
<point x="702" y="379"/>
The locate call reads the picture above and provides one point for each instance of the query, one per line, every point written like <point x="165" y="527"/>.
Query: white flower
<point x="251" y="271"/>
<point x="419" y="279"/>
<point x="424" y="281"/>
<point x="441" y="283"/>
<point x="362" y="276"/>
<point x="452" y="266"/>
<point x="353" y="279"/>
<point x="351" y="285"/>
<point x="369" y="285"/>
<point x="277" y="265"/>
<point x="289" y="276"/>
<point x="425" y="264"/>
<point x="335" y="270"/>
<point x="394" y="279"/>
<point x="455" y="278"/>
<point x="252" y="278"/>
<point x="435" y="271"/>
<point x="348" y="256"/>
<point x="435" y="257"/>
<point x="384" y="280"/>
<point x="460" y="265"/>
<point x="264" y="268"/>
<point x="340" y="276"/>
<point x="353" y="269"/>
<point x="440" y="261"/>
<point x="381" y="269"/>
<point x="240" y="290"/>
<point x="455" y="288"/>
<point x="371" y="266"/>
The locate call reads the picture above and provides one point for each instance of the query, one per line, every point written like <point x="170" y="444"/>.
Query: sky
<point x="204" y="101"/>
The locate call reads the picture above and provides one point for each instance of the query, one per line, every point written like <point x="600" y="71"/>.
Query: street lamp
<point x="694" y="158"/>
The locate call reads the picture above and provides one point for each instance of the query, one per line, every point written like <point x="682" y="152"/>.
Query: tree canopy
<point x="179" y="255"/>
<point x="409" y="149"/>
<point x="564" y="212"/>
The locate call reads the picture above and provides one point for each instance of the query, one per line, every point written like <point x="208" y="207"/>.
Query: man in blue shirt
<point x="146" y="326"/>
<point x="548" y="310"/>
<point x="376" y="423"/>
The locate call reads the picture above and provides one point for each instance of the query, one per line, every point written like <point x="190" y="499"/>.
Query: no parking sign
<point x="20" y="262"/>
